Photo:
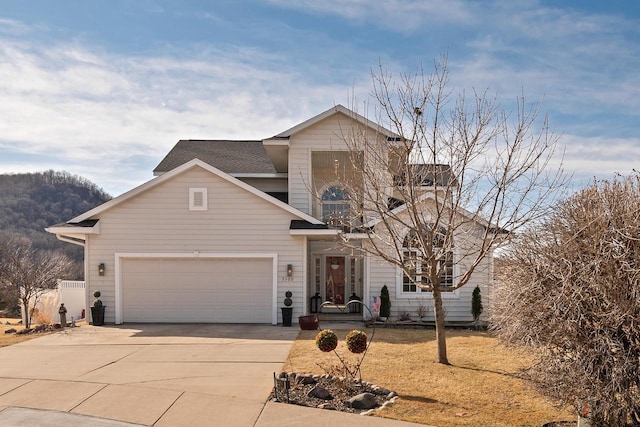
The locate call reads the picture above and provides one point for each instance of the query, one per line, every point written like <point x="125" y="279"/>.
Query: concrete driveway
<point x="160" y="375"/>
<point x="156" y="375"/>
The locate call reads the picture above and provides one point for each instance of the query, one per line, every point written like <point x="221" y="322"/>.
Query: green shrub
<point x="385" y="306"/>
<point x="476" y="304"/>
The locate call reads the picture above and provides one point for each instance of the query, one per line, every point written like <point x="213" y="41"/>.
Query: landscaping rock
<point x="363" y="401"/>
<point x="305" y="379"/>
<point x="23" y="331"/>
<point x="320" y="393"/>
<point x="340" y="392"/>
<point x="10" y="331"/>
<point x="381" y="391"/>
<point x="326" y="406"/>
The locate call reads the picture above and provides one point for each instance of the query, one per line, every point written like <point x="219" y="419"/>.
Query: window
<point x="412" y="268"/>
<point x="415" y="271"/>
<point x="336" y="208"/>
<point x="317" y="273"/>
<point x="198" y="199"/>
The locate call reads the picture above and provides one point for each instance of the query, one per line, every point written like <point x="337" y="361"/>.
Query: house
<point x="226" y="228"/>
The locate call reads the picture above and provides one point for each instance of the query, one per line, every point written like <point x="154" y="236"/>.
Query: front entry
<point x="335" y="276"/>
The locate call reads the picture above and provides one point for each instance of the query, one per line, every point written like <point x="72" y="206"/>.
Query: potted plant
<point x="308" y="322"/>
<point x="287" y="310"/>
<point x="97" y="311"/>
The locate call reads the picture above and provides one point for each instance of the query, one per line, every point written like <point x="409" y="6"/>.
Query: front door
<point x="335" y="279"/>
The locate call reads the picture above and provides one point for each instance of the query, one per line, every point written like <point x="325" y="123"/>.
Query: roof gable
<point x="401" y="207"/>
<point x="181" y="169"/>
<point x="330" y="112"/>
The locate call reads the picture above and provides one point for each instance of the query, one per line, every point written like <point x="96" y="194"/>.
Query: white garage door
<point x="218" y="290"/>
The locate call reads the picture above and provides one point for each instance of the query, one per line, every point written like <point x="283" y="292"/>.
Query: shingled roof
<point x="426" y="174"/>
<point x="228" y="156"/>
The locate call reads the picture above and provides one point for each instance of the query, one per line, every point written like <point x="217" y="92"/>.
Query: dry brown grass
<point x="479" y="388"/>
<point x="10" y="339"/>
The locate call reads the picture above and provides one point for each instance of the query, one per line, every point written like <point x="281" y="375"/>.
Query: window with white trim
<point x="198" y="199"/>
<point x="416" y="266"/>
<point x="336" y="208"/>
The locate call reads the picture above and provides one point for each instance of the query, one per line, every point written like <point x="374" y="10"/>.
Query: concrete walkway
<point x="154" y="375"/>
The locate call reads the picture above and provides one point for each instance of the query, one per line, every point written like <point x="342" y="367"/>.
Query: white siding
<point x="158" y="220"/>
<point x="457" y="304"/>
<point x="327" y="135"/>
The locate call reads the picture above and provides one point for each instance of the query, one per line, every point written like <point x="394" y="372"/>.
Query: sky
<point x="104" y="89"/>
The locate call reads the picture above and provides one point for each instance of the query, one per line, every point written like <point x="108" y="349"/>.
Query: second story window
<point x="336" y="206"/>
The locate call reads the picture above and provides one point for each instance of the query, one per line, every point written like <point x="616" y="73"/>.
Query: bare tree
<point x="459" y="175"/>
<point x="27" y="272"/>
<point x="572" y="294"/>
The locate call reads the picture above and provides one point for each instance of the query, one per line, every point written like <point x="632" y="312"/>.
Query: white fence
<point x="69" y="292"/>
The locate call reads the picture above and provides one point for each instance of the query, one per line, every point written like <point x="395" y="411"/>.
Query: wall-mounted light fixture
<point x="289" y="270"/>
<point x="101" y="269"/>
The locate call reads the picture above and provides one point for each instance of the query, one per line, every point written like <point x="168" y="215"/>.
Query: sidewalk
<point x="273" y="415"/>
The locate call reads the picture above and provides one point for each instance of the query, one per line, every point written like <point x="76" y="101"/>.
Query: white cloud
<point x="589" y="158"/>
<point x="91" y="111"/>
<point x="402" y="16"/>
<point x="112" y="118"/>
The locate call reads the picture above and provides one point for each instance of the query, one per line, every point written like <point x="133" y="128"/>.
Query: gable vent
<point x="198" y="199"/>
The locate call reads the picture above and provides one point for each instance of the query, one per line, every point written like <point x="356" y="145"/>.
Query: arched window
<point x="416" y="264"/>
<point x="336" y="208"/>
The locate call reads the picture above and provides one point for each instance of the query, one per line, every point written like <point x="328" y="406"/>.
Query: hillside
<point x="32" y="201"/>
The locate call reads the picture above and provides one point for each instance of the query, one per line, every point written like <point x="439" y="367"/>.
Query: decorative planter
<point x="308" y="322"/>
<point x="97" y="314"/>
<point x="287" y="313"/>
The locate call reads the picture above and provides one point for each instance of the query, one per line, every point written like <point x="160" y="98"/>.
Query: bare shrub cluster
<point x="570" y="289"/>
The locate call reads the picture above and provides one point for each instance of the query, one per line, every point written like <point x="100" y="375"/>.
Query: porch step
<point x="340" y="317"/>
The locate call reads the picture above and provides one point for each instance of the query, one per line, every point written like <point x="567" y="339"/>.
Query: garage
<point x="197" y="290"/>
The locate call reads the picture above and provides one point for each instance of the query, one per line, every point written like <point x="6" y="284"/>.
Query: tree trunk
<point x="27" y="315"/>
<point x="438" y="311"/>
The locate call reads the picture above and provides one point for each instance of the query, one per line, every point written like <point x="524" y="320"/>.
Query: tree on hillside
<point x="26" y="273"/>
<point x="571" y="292"/>
<point x="30" y="202"/>
<point x="457" y="163"/>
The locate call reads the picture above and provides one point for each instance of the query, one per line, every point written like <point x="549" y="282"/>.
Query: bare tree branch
<point x="29" y="272"/>
<point x="461" y="178"/>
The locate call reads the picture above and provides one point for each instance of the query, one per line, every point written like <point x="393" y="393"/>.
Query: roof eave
<point x="72" y="230"/>
<point x="314" y="232"/>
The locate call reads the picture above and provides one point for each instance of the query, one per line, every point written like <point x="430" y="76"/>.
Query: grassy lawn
<point x="479" y="388"/>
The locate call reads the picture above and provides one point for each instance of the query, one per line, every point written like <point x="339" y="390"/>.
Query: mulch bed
<point x="340" y="390"/>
